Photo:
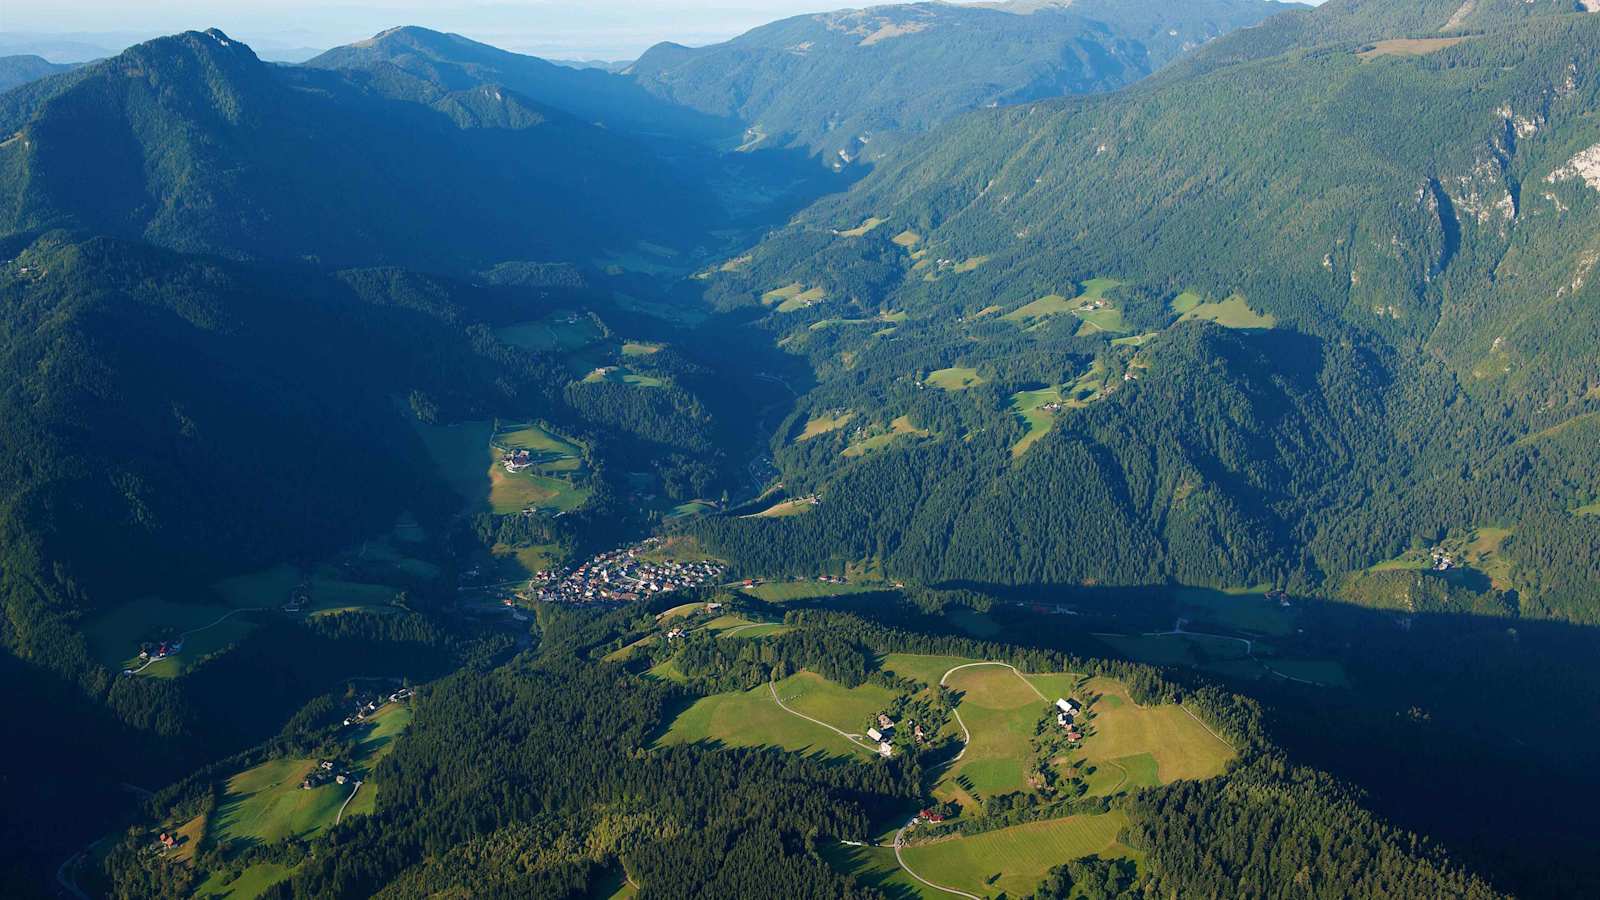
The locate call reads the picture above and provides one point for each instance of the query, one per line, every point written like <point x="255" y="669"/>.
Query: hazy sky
<point x="603" y="29"/>
<point x="571" y="29"/>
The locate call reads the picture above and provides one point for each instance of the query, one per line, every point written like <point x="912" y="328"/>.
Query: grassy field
<point x="269" y="588"/>
<point x="956" y="378"/>
<point x="331" y="595"/>
<point x="250" y="884"/>
<point x="1180" y="746"/>
<point x="1408" y="47"/>
<point x="266" y="803"/>
<point x="907" y="239"/>
<point x="926" y="669"/>
<point x="876" y="867"/>
<point x="1186" y="302"/>
<point x="864" y="228"/>
<point x="1042" y="308"/>
<point x="562" y="331"/>
<point x="783" y="591"/>
<point x="547" y="484"/>
<point x="621" y="375"/>
<point x="970" y="264"/>
<point x="1029" y="406"/>
<point x="899" y="428"/>
<point x="820" y="425"/>
<point x="847" y="709"/>
<point x="115" y="634"/>
<point x="641" y="348"/>
<point x="1014" y="860"/>
<point x="1001" y="710"/>
<point x="1233" y="312"/>
<point x="1245" y="611"/>
<point x="802" y="300"/>
<point x="752" y="719"/>
<point x="1588" y="509"/>
<point x="782" y="510"/>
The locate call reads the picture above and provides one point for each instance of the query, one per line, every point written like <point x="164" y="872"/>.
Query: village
<point x="623" y="576"/>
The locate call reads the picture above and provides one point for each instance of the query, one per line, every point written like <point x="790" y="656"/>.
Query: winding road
<point x="852" y="738"/>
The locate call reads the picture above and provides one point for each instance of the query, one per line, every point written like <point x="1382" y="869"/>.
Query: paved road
<point x="346" y="802"/>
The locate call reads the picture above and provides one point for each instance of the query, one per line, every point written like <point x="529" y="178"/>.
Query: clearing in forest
<point x="1233" y="312"/>
<point x="824" y="423"/>
<point x="754" y="719"/>
<point x="1139" y="746"/>
<point x="955" y="378"/>
<point x="1407" y="47"/>
<point x="1001" y="710"/>
<point x="558" y="331"/>
<point x="544" y="478"/>
<point x="899" y="428"/>
<point x="864" y="228"/>
<point x="1012" y="861"/>
<point x="1038" y="410"/>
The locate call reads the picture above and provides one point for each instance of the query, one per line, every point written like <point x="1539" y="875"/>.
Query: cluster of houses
<point x="883" y="734"/>
<point x="327" y="770"/>
<point x="623" y="576"/>
<point x="930" y="816"/>
<point x="370" y="708"/>
<point x="1442" y="560"/>
<point x="299" y="597"/>
<point x="1067" y="712"/>
<point x="516" y="460"/>
<point x="168" y="840"/>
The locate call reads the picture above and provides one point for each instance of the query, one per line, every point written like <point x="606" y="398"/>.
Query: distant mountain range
<point x="20" y="70"/>
<point x="847" y="85"/>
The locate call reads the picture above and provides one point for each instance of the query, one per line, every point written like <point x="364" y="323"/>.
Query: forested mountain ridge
<point x="847" y="85"/>
<point x="19" y="70"/>
<point x="191" y="142"/>
<point x="1413" y="221"/>
<point x="588" y="94"/>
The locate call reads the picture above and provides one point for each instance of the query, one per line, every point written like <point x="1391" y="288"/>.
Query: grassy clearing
<point x="1042" y="308"/>
<point x="1588" y="509"/>
<point x="802" y="300"/>
<point x="1001" y="711"/>
<point x="955" y="378"/>
<point x="537" y="558"/>
<point x="926" y="669"/>
<point x="1181" y="747"/>
<point x="1576" y="422"/>
<point x="784" y="591"/>
<point x="1407" y="47"/>
<point x="783" y="510"/>
<point x="892" y="318"/>
<point x="114" y="635"/>
<point x="876" y="867"/>
<point x="970" y="264"/>
<point x="1186" y="302"/>
<point x="820" y="425"/>
<point x="546" y="484"/>
<point x="907" y="239"/>
<point x="1479" y="550"/>
<point x="641" y="348"/>
<point x="268" y="588"/>
<point x="864" y="228"/>
<point x="330" y="596"/>
<point x="899" y="428"/>
<point x="251" y="883"/>
<point x="1247" y="611"/>
<point x="1030" y="407"/>
<point x="561" y="331"/>
<point x="1014" y="860"/>
<point x="622" y="375"/>
<point x="1233" y="312"/>
<point x="847" y="709"/>
<point x="751" y="719"/>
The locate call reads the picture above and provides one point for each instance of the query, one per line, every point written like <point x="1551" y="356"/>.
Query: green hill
<point x="193" y="143"/>
<point x="847" y="85"/>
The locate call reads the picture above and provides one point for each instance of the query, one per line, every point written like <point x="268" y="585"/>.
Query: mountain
<point x="1428" y="255"/>
<point x="846" y="85"/>
<point x="193" y="143"/>
<point x="19" y="70"/>
<point x="587" y="92"/>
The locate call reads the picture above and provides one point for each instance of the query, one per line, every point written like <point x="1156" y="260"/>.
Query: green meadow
<point x="901" y="427"/>
<point x="1012" y="861"/>
<point x="1029" y="406"/>
<point x="752" y="719"/>
<point x="1233" y="312"/>
<point x="956" y="378"/>
<point x="559" y="331"/>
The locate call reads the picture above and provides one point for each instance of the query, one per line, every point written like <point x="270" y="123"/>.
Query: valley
<point x="1057" y="450"/>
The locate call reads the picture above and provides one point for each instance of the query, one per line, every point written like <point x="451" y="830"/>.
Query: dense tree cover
<point x="1432" y="369"/>
<point x="22" y="69"/>
<point x="193" y="143"/>
<point x="846" y="85"/>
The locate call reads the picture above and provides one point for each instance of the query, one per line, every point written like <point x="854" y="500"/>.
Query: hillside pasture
<point x="847" y="709"/>
<point x="901" y="427"/>
<point x="864" y="228"/>
<point x="786" y="508"/>
<point x="559" y="331"/>
<point x="1001" y="710"/>
<point x="1179" y="744"/>
<point x="803" y="299"/>
<point x="621" y="375"/>
<point x="1407" y="47"/>
<point x="824" y="423"/>
<point x="115" y="634"/>
<point x="784" y="591"/>
<point x="1233" y="312"/>
<point x="1042" y="308"/>
<point x="1029" y="406"/>
<point x="955" y="378"/>
<point x="752" y="719"/>
<point x="1012" y="861"/>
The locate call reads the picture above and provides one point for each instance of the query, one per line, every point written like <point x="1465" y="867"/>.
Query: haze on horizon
<point x="292" y="30"/>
